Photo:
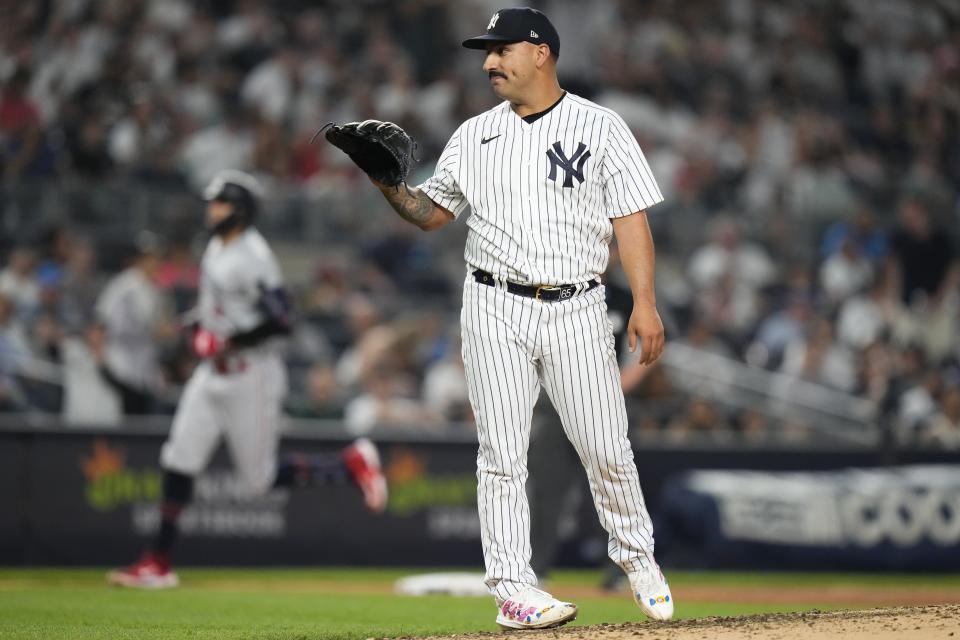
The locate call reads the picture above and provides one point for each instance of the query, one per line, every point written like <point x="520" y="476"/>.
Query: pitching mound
<point x="914" y="623"/>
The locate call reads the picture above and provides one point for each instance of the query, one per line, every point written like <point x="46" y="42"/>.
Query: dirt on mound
<point x="913" y="623"/>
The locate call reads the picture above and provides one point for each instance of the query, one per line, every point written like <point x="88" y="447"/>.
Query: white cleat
<point x="652" y="593"/>
<point x="532" y="608"/>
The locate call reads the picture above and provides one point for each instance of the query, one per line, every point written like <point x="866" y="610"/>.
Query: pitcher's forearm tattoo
<point x="412" y="205"/>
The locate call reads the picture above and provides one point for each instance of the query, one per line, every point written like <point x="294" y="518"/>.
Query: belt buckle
<point x="541" y="287"/>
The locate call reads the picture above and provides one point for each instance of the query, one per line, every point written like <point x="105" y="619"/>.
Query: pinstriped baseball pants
<point x="511" y="346"/>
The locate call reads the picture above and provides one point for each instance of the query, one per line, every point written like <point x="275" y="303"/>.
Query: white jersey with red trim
<point x="237" y="396"/>
<point x="232" y="279"/>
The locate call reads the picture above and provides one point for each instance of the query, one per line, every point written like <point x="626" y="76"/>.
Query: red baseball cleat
<point x="363" y="462"/>
<point x="150" y="572"/>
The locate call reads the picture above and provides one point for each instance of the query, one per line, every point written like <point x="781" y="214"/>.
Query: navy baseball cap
<point x="518" y="24"/>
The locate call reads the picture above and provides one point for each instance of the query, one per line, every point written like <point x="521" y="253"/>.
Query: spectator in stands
<point x="922" y="258"/>
<point x="910" y="391"/>
<point x="88" y="396"/>
<point x="927" y="178"/>
<point x="19" y="282"/>
<point x="943" y="428"/>
<point x="220" y="146"/>
<point x="700" y="420"/>
<point x="445" y="386"/>
<point x="136" y="140"/>
<point x="269" y="87"/>
<point x="728" y="273"/>
<point x="754" y="426"/>
<point x="324" y="398"/>
<point x="865" y="317"/>
<point x="179" y="275"/>
<point x="23" y="150"/>
<point x="87" y="146"/>
<point x="195" y="103"/>
<point x="80" y="285"/>
<point x="863" y="231"/>
<point x="15" y="352"/>
<point x="819" y="188"/>
<point x="917" y="406"/>
<point x="132" y="310"/>
<point x="818" y="358"/>
<point x="329" y="305"/>
<point x="924" y="272"/>
<point x="402" y="256"/>
<point x="37" y="375"/>
<point x="56" y="245"/>
<point x="876" y="374"/>
<point x="700" y="335"/>
<point x="733" y="309"/>
<point x="728" y="253"/>
<point x="372" y="351"/>
<point x="779" y="330"/>
<point x="387" y="401"/>
<point x="845" y="273"/>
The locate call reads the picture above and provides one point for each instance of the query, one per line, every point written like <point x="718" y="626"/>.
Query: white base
<point x="448" y="584"/>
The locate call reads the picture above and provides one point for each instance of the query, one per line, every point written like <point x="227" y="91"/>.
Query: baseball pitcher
<point x="550" y="178"/>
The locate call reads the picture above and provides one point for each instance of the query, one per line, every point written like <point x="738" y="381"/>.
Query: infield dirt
<point x="912" y="623"/>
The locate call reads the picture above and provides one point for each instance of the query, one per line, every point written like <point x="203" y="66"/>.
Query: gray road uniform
<point x="237" y="395"/>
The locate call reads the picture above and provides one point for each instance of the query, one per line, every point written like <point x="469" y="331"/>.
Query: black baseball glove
<point x="382" y="149"/>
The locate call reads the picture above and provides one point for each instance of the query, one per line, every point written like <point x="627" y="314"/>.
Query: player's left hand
<point x="646" y="329"/>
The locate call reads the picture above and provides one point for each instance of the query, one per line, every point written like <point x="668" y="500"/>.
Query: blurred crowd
<point x="809" y="153"/>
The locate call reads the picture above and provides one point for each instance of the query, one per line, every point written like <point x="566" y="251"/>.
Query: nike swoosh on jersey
<point x="486" y="140"/>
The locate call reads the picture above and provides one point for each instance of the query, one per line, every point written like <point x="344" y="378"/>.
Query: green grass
<point x="291" y="604"/>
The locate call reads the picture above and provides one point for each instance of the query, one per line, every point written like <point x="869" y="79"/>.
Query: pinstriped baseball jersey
<point x="542" y="193"/>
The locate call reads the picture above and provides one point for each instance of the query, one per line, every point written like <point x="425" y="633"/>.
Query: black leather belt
<point x="544" y="293"/>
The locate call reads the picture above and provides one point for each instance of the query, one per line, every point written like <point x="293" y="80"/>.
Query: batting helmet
<point x="239" y="189"/>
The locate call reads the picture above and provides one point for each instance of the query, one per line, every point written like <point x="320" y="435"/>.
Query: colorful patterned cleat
<point x="531" y="608"/>
<point x="150" y="572"/>
<point x="652" y="593"/>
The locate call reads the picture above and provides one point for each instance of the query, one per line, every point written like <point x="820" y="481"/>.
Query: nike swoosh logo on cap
<point x="486" y="140"/>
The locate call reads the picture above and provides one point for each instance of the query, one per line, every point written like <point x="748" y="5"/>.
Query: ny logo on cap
<point x="559" y="159"/>
<point x="493" y="21"/>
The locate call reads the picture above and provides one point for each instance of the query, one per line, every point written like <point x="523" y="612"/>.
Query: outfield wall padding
<point x="89" y="497"/>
